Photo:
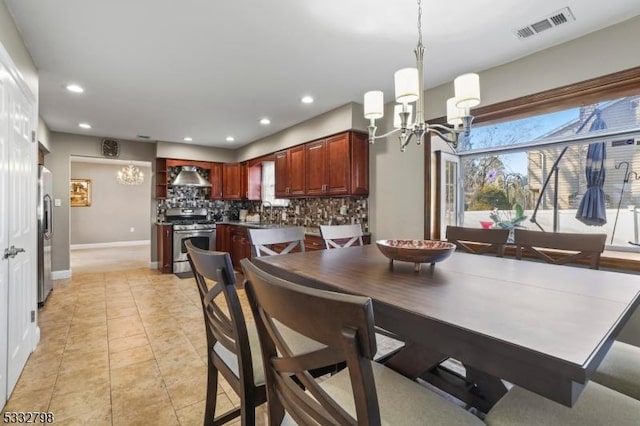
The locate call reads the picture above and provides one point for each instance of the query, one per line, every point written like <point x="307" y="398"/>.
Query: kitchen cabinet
<point x="240" y="245"/>
<point x="164" y="244"/>
<point x="223" y="237"/>
<point x="290" y="172"/>
<point x="234" y="181"/>
<point x="162" y="175"/>
<point x="338" y="165"/>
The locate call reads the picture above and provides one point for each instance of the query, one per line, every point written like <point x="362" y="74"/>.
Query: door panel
<point x="4" y="237"/>
<point x="282" y="174"/>
<point x="316" y="168"/>
<point x="296" y="171"/>
<point x="339" y="161"/>
<point x="450" y="202"/>
<point x="22" y="234"/>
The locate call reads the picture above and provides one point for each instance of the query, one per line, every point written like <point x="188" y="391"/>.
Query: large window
<point x="505" y="166"/>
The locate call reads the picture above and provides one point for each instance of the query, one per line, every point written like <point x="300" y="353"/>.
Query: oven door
<point x="201" y="238"/>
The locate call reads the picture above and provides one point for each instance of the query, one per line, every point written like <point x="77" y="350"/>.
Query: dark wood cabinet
<point x="234" y="181"/>
<point x="164" y="243"/>
<point x="240" y="245"/>
<point x="290" y="172"/>
<point x="215" y="178"/>
<point x="223" y="237"/>
<point x="161" y="178"/>
<point x="281" y="165"/>
<point x="338" y="165"/>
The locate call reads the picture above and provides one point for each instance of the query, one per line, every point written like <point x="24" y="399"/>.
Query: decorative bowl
<point x="416" y="251"/>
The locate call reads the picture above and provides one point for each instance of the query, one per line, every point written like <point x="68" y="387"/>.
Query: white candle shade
<point x="374" y="104"/>
<point x="406" y="80"/>
<point x="454" y="114"/>
<point x="397" y="109"/>
<point x="467" y="90"/>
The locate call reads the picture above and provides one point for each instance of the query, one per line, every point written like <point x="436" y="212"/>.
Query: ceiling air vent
<point x="143" y="137"/>
<point x="560" y="17"/>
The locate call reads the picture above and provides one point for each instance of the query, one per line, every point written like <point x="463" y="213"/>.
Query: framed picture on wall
<point x="80" y="192"/>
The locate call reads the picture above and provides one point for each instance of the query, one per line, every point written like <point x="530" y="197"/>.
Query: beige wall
<point x="13" y="44"/>
<point x="115" y="208"/>
<point x="44" y="135"/>
<point x="194" y="152"/>
<point x="65" y="145"/>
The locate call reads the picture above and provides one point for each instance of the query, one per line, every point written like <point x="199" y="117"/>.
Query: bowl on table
<point x="416" y="251"/>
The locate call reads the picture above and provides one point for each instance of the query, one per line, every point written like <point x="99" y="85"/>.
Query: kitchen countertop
<point x="309" y="230"/>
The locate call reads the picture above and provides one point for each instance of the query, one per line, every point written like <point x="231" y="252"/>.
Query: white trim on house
<point x="111" y="244"/>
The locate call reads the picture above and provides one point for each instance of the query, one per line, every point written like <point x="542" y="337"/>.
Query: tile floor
<point x="120" y="347"/>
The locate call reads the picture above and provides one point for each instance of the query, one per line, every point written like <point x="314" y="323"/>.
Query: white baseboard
<point x="153" y="265"/>
<point x="111" y="244"/>
<point x="61" y="275"/>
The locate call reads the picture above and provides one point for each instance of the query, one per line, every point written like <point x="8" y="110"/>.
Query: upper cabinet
<point x="234" y="181"/>
<point x="163" y="176"/>
<point x="337" y="165"/>
<point x="290" y="172"/>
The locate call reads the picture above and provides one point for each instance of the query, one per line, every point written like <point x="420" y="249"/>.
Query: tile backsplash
<point x="307" y="212"/>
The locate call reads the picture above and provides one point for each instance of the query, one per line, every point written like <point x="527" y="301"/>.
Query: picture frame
<point x="80" y="192"/>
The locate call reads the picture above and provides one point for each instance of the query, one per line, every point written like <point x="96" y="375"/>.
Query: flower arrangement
<point x="508" y="219"/>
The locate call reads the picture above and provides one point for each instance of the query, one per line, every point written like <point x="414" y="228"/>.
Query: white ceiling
<point x="209" y="69"/>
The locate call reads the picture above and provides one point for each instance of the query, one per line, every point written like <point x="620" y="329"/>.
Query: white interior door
<point x="22" y="234"/>
<point x="4" y="228"/>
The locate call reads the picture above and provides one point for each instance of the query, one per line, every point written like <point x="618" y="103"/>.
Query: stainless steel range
<point x="190" y="224"/>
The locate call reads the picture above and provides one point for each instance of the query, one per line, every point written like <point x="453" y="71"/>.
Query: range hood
<point x="189" y="176"/>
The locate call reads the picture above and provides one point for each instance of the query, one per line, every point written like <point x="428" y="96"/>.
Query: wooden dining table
<point x="543" y="327"/>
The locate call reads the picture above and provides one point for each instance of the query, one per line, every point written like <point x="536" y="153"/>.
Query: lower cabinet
<point x="240" y="245"/>
<point x="164" y="243"/>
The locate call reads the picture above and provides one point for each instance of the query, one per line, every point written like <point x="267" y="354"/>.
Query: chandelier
<point x="130" y="175"/>
<point x="409" y="88"/>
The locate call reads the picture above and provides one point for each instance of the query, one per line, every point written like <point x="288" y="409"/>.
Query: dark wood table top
<point x="544" y="327"/>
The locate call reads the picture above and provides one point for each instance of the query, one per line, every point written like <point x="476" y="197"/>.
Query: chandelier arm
<point x="373" y="136"/>
<point x="448" y="134"/>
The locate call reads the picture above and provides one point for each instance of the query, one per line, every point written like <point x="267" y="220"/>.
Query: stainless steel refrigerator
<point x="45" y="233"/>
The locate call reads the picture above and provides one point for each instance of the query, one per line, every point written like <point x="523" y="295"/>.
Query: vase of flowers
<point x="510" y="219"/>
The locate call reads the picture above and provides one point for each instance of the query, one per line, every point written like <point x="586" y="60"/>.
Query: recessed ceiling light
<point x="188" y="139"/>
<point x="265" y="121"/>
<point x="307" y="100"/>
<point x="74" y="88"/>
<point x="84" y="125"/>
<point x="230" y="139"/>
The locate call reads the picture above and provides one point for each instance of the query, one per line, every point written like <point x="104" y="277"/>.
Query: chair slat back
<point x="488" y="239"/>
<point x="347" y="332"/>
<point x="264" y="239"/>
<point x="331" y="233"/>
<point x="224" y="320"/>
<point x="582" y="246"/>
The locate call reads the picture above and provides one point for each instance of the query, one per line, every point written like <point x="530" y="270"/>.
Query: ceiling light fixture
<point x="306" y="100"/>
<point x="230" y="139"/>
<point x="265" y="121"/>
<point x="74" y="88"/>
<point x="84" y="125"/>
<point x="130" y="175"/>
<point x="409" y="88"/>
<point x="188" y="139"/>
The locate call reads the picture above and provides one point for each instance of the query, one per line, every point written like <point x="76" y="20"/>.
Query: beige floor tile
<point x="157" y="414"/>
<point x="88" y="379"/>
<point x="101" y="416"/>
<point x="80" y="403"/>
<point x="131" y="356"/>
<point x="188" y="391"/>
<point x="74" y="361"/>
<point x="128" y="342"/>
<point x="35" y="400"/>
<point x="192" y="415"/>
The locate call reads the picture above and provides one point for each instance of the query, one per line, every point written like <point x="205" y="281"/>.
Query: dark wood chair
<point x="231" y="351"/>
<point x="366" y="393"/>
<point x="264" y="240"/>
<point x="482" y="240"/>
<point x="571" y="246"/>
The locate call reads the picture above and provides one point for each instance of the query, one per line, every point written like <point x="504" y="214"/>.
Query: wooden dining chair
<point x="340" y="236"/>
<point x="477" y="240"/>
<point x="366" y="393"/>
<point x="266" y="241"/>
<point x="233" y="345"/>
<point x="579" y="246"/>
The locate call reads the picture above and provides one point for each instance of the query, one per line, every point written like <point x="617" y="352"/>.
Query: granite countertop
<point x="308" y="230"/>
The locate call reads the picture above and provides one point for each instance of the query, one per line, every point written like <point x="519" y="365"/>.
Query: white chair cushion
<point x="597" y="405"/>
<point x="620" y="370"/>
<point x="297" y="342"/>
<point x="402" y="401"/>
